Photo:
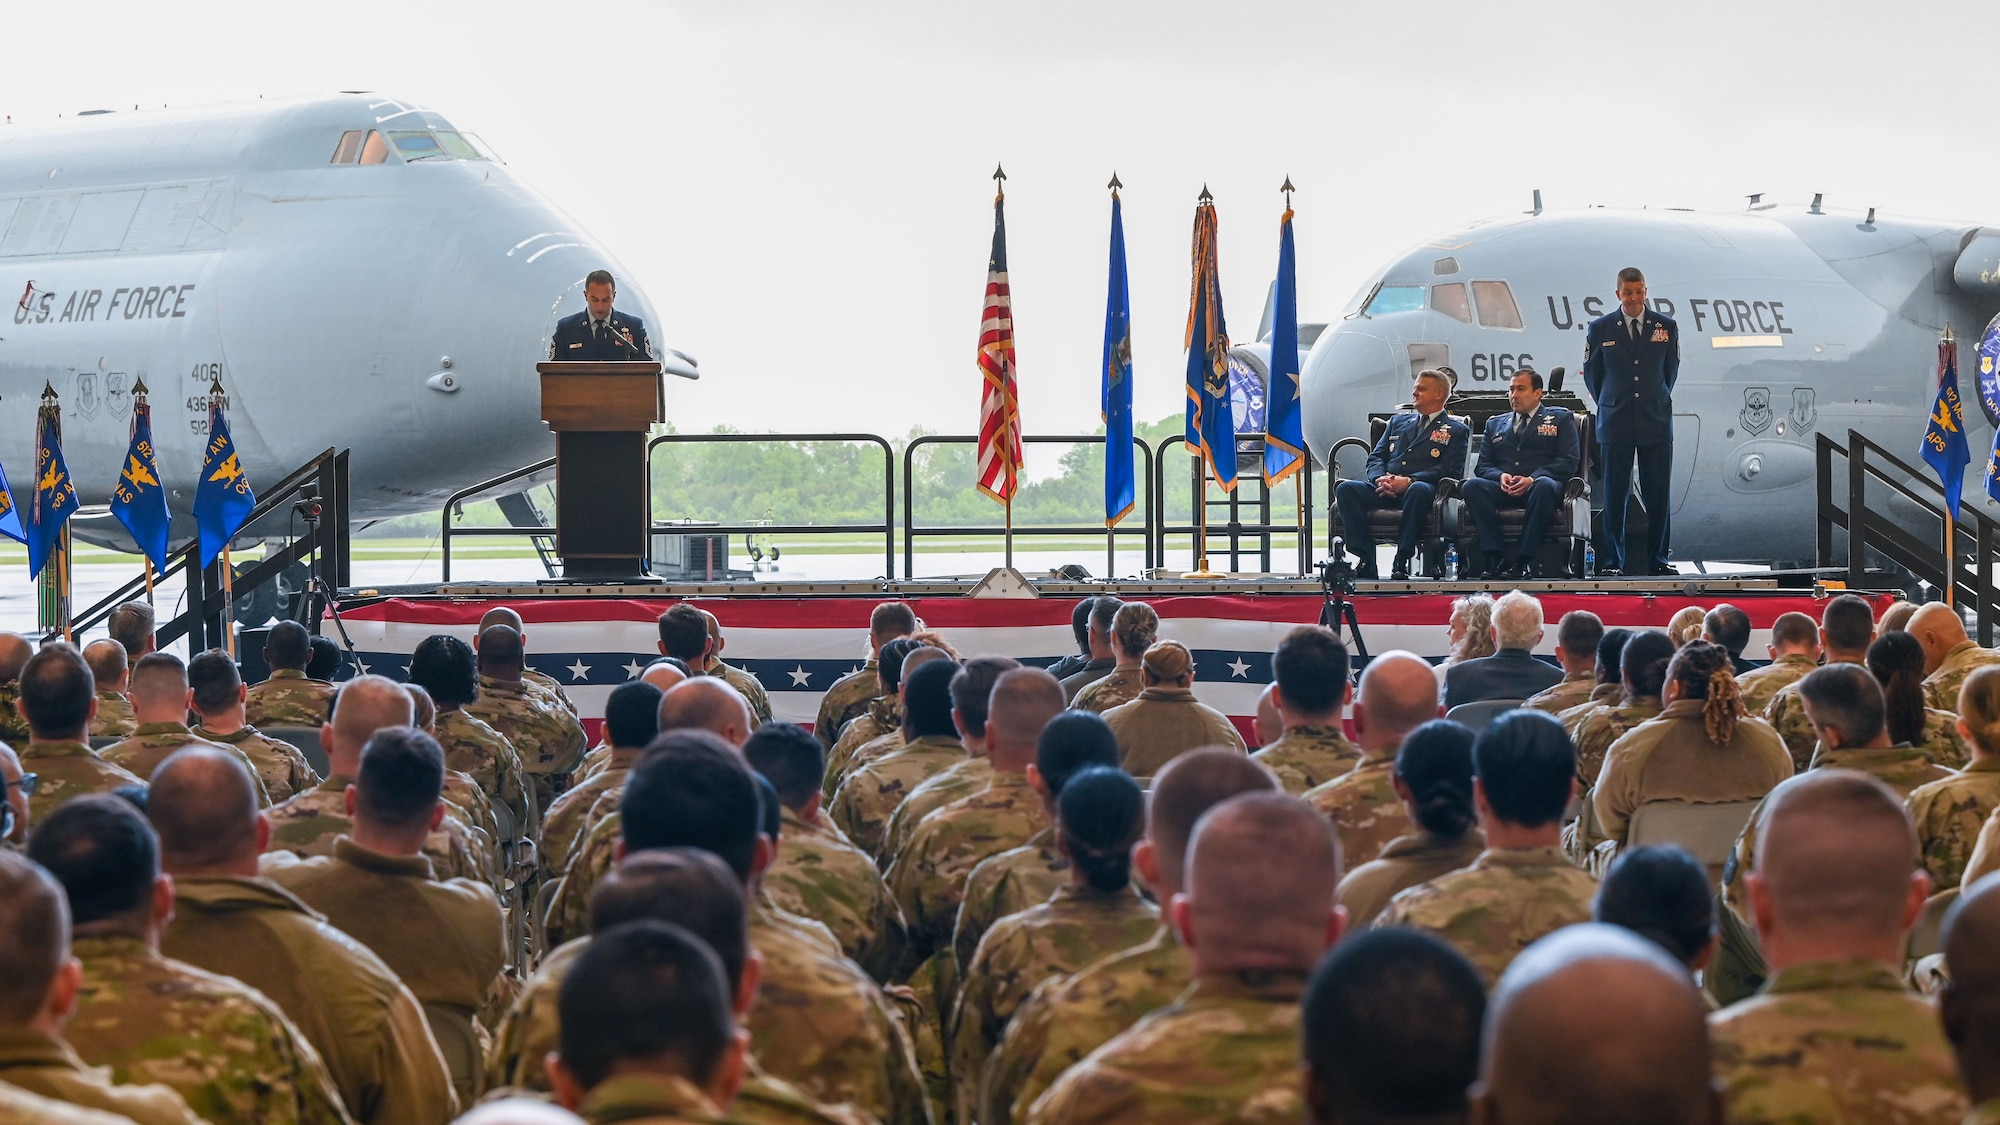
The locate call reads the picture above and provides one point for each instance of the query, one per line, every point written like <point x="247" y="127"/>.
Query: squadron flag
<point x="55" y="494"/>
<point x="1284" y="441"/>
<point x="999" y="406"/>
<point x="138" y="500"/>
<point x="222" y="497"/>
<point x="1944" y="438"/>
<point x="1118" y="472"/>
<point x="1210" y="425"/>
<point x="10" y="514"/>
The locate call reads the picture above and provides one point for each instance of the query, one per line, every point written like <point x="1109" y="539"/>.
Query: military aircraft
<point x="1795" y="319"/>
<point x="356" y="270"/>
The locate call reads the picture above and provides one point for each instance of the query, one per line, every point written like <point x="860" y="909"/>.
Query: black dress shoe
<point x="1517" y="571"/>
<point x="1399" y="571"/>
<point x="1366" y="571"/>
<point x="1496" y="566"/>
<point x="1609" y="572"/>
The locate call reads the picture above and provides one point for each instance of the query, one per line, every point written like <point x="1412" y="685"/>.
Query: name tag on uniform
<point x="576" y="345"/>
<point x="1610" y="343"/>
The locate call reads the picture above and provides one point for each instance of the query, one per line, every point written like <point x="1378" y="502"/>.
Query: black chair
<point x="1562" y="547"/>
<point x="1384" y="526"/>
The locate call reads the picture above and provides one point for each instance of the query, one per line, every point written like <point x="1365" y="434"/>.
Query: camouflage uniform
<point x="1787" y="715"/>
<point x="1986" y="1113"/>
<point x="1985" y="859"/>
<point x="367" y="1026"/>
<point x="1066" y="1018"/>
<point x="1407" y="861"/>
<point x="550" y="687"/>
<point x="1603" y="695"/>
<point x="1901" y="767"/>
<point x="1227" y="1050"/>
<point x="880" y="718"/>
<point x="1575" y="688"/>
<point x="928" y="879"/>
<point x="1162" y="724"/>
<point x="19" y="1107"/>
<point x="1305" y="757"/>
<point x="747" y="686"/>
<point x="565" y="822"/>
<point x="1004" y="884"/>
<point x="848" y="697"/>
<point x="1941" y="687"/>
<point x="1093" y="670"/>
<point x="647" y="1099"/>
<point x="1364" y="807"/>
<point x="962" y="780"/>
<point x="1671" y="759"/>
<point x="225" y="1048"/>
<point x="280" y="765"/>
<point x="1759" y="685"/>
<point x="819" y="875"/>
<point x="1942" y="743"/>
<point x="1836" y="1041"/>
<point x="114" y="718"/>
<point x="288" y="699"/>
<point x="1116" y="688"/>
<point x="1074" y="928"/>
<point x="1596" y="731"/>
<point x="43" y="1065"/>
<point x="13" y="728"/>
<point x="308" y="824"/>
<point x="67" y="770"/>
<point x="548" y="739"/>
<point x="1495" y="908"/>
<point x="476" y="749"/>
<point x="153" y="743"/>
<point x="1949" y="815"/>
<point x="867" y="799"/>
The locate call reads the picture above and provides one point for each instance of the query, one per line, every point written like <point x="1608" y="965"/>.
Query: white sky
<point x="801" y="188"/>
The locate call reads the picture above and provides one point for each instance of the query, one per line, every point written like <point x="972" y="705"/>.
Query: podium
<point x="600" y="413"/>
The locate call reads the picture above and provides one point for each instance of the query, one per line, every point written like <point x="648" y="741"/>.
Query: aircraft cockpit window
<point x="1395" y="299"/>
<point x="349" y="149"/>
<point x="458" y="146"/>
<point x="374" y="150"/>
<point x="417" y="145"/>
<point x="1449" y="299"/>
<point x="1496" y="305"/>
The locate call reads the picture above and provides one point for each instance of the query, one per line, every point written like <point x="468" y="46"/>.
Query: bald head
<point x="108" y="665"/>
<point x="1269" y="722"/>
<point x="14" y="654"/>
<point x="1022" y="703"/>
<point x="423" y="709"/>
<point x="1261" y="871"/>
<point x="501" y="615"/>
<point x="1399" y="693"/>
<point x="663" y="674"/>
<point x="1836" y="869"/>
<point x="706" y="703"/>
<point x="203" y="803"/>
<point x="500" y="653"/>
<point x="364" y="705"/>
<point x="1183" y="790"/>
<point x="159" y="688"/>
<point x="518" y="1111"/>
<point x="1939" y="629"/>
<point x="1594" y="1023"/>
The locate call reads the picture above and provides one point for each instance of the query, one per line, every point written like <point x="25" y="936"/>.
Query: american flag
<point x="999" y="407"/>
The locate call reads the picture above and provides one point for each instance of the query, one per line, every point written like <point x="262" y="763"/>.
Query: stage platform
<point x="797" y="638"/>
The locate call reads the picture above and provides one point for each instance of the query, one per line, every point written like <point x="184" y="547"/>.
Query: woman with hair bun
<point x="1434" y="779"/>
<point x="1950" y="813"/>
<point x="1100" y="814"/>
<point x="1896" y="660"/>
<point x="1701" y="750"/>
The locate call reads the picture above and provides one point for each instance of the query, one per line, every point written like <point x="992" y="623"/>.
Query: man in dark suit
<point x="1630" y="363"/>
<point x="1419" y="448"/>
<point x="1525" y="461"/>
<point x="1513" y="672"/>
<point x="599" y="333"/>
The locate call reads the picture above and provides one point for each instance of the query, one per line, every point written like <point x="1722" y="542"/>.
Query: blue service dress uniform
<point x="1426" y="450"/>
<point x="577" y="339"/>
<point x="1631" y="376"/>
<point x="1543" y="447"/>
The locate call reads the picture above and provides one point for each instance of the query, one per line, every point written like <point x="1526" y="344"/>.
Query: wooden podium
<point x="600" y="413"/>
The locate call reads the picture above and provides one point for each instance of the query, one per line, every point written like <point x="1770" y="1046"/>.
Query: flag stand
<point x="228" y="604"/>
<point x="63" y="582"/>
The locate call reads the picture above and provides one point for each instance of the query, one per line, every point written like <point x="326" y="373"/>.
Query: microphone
<point x="620" y="333"/>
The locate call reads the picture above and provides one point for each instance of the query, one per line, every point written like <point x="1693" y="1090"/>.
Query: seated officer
<point x="1526" y="459"/>
<point x="1418" y="449"/>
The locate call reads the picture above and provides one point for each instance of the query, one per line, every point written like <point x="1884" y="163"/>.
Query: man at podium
<point x="599" y="333"/>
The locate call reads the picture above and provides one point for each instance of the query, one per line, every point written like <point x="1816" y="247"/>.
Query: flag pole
<point x="62" y="581"/>
<point x="1200" y="463"/>
<point x="1009" y="504"/>
<point x="228" y="604"/>
<point x="1299" y="479"/>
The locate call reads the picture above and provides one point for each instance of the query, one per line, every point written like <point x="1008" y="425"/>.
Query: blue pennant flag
<point x="1119" y="496"/>
<point x="55" y="494"/>
<point x="10" y="514"/>
<point x="138" y="500"/>
<point x="222" y="498"/>
<point x="1944" y="438"/>
<point x="1284" y="441"/>
<point x="1211" y="427"/>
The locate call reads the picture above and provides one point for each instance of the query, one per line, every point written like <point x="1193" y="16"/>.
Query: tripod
<point x="1336" y="583"/>
<point x="317" y="592"/>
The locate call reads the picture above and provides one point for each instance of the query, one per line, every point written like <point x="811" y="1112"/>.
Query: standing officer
<point x="1418" y="449"/>
<point x="599" y="333"/>
<point x="1526" y="459"/>
<point x="1630" y="363"/>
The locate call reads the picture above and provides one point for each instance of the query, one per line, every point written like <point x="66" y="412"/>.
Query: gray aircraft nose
<point x="1349" y="373"/>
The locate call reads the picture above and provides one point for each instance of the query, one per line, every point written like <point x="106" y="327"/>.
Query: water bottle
<point x="1451" y="562"/>
<point x="1589" y="560"/>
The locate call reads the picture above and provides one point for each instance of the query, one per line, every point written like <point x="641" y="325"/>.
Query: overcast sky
<point x="802" y="191"/>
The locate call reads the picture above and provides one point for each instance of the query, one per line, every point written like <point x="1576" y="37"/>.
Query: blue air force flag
<point x="55" y="493"/>
<point x="1284" y="441"/>
<point x="1119" y="496"/>
<point x="1211" y="428"/>
<point x="1944" y="446"/>
<point x="138" y="500"/>
<point x="10" y="514"/>
<point x="222" y="498"/>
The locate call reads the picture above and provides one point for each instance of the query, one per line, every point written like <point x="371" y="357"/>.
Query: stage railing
<point x="886" y="528"/>
<point x="1233" y="529"/>
<point x="1885" y="497"/>
<point x="1142" y="526"/>
<point x="448" y="532"/>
